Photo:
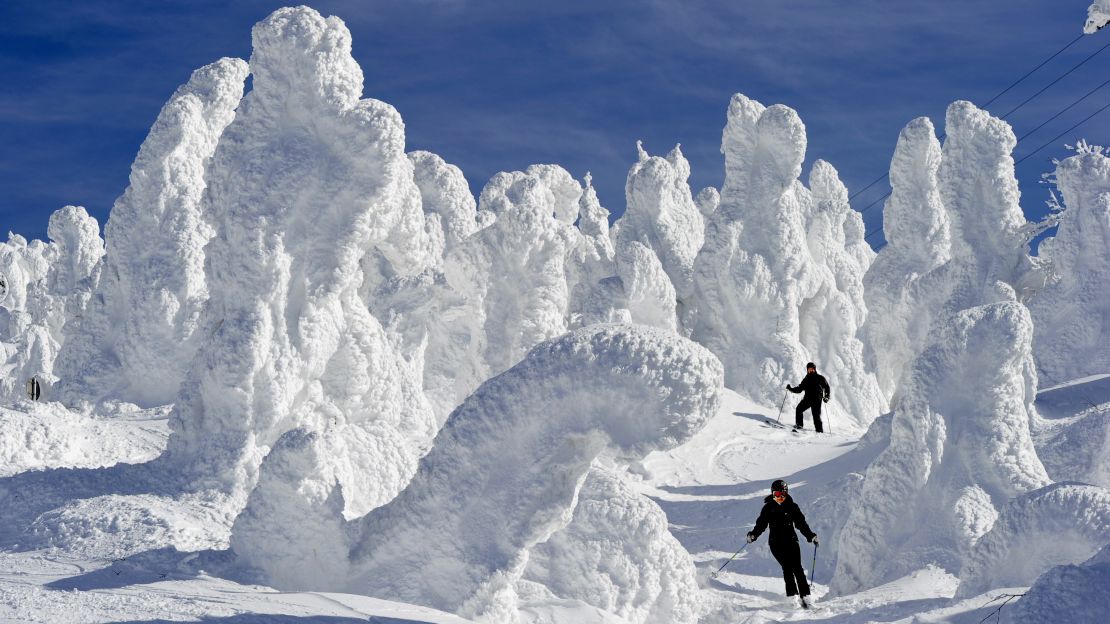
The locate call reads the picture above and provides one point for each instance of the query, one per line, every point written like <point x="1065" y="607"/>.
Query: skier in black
<point x="783" y="515"/>
<point x="817" y="392"/>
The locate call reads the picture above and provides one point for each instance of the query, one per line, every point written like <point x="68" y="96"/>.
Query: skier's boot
<point x="802" y="602"/>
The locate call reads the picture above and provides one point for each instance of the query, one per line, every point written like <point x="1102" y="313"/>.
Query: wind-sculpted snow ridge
<point x="504" y="472"/>
<point x="618" y="555"/>
<point x="1098" y="15"/>
<point x="139" y="336"/>
<point x="766" y="298"/>
<point x="1072" y="313"/>
<point x="1075" y="593"/>
<point x="960" y="448"/>
<point x="313" y="202"/>
<point x="1064" y="523"/>
<point x="45" y="287"/>
<point x="662" y="216"/>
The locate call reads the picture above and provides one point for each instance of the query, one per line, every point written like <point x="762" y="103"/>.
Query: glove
<point x="751" y="537"/>
<point x="788" y="387"/>
<point x="815" y="541"/>
<point x="826" y="399"/>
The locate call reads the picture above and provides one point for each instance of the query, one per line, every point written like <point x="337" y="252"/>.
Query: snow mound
<point x="1072" y="314"/>
<point x="1098" y="15"/>
<point x="1080" y="593"/>
<point x="49" y="436"/>
<point x="140" y="334"/>
<point x="617" y="554"/>
<point x="1060" y="524"/>
<point x="314" y="204"/>
<point x="775" y="285"/>
<point x="505" y="471"/>
<point x="956" y="453"/>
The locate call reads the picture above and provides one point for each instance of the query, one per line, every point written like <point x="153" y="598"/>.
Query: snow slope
<point x="313" y="304"/>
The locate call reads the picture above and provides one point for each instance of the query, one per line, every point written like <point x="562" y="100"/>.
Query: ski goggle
<point x="778" y="494"/>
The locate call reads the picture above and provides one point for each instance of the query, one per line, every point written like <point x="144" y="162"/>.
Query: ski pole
<point x="714" y="575"/>
<point x="814" y="566"/>
<point x="778" y="417"/>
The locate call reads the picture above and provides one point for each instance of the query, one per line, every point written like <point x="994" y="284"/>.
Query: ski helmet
<point x="779" y="486"/>
<point x="810" y="365"/>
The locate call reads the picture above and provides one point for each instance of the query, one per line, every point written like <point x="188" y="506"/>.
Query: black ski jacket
<point x="782" y="519"/>
<point x="815" y="387"/>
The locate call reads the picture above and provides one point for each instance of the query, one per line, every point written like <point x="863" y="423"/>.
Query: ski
<point x="775" y="424"/>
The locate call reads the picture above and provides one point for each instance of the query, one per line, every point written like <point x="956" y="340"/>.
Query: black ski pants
<point x="789" y="556"/>
<point x="814" y="405"/>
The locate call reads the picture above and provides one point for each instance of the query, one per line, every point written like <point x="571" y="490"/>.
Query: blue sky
<point x="496" y="86"/>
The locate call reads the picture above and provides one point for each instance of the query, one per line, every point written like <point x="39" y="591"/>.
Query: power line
<point x="873" y="183"/>
<point x="1030" y="73"/>
<point x="1057" y="137"/>
<point x="875" y="203"/>
<point x="989" y="102"/>
<point x="1081" y="63"/>
<point x="1069" y="107"/>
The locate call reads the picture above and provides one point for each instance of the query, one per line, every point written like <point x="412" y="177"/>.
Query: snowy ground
<point x="711" y="488"/>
